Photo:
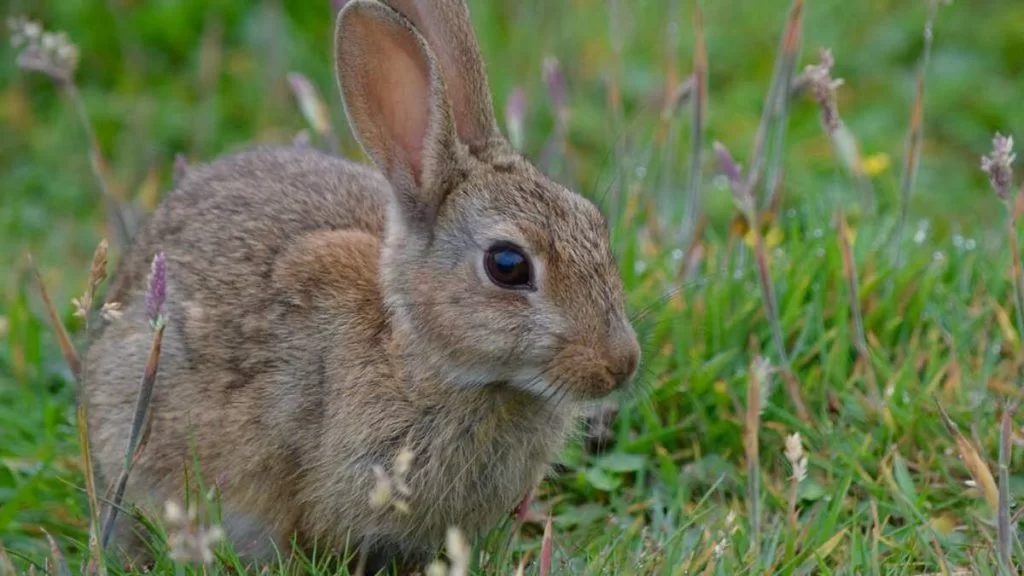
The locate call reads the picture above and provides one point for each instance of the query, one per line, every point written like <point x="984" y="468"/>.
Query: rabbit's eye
<point x="508" y="267"/>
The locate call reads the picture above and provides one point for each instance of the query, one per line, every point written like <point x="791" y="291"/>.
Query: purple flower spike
<point x="156" y="291"/>
<point x="554" y="79"/>
<point x="515" y="116"/>
<point x="728" y="167"/>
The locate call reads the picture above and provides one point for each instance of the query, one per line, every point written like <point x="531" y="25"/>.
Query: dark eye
<point x="508" y="267"/>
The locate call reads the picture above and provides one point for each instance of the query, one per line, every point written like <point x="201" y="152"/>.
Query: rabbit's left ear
<point x="397" y="105"/>
<point x="448" y="30"/>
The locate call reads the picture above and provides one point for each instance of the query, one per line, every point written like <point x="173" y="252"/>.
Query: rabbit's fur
<point x="322" y="315"/>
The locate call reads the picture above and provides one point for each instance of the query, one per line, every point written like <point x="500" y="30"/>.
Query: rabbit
<point x="324" y="315"/>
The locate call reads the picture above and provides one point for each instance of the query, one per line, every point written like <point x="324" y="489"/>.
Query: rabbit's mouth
<point x="577" y="373"/>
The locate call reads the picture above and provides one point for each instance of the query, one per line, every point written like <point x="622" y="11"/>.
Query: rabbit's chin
<point x="542" y="388"/>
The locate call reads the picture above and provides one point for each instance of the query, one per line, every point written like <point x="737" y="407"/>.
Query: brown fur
<point x="322" y="316"/>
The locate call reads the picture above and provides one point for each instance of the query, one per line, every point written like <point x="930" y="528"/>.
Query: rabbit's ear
<point x="448" y="30"/>
<point x="395" y="99"/>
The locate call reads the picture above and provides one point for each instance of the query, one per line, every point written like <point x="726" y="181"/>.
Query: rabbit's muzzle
<point x="589" y="373"/>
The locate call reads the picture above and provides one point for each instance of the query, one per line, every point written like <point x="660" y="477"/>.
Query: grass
<point x="895" y="481"/>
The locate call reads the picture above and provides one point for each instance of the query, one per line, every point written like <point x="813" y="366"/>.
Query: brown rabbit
<point x="322" y="316"/>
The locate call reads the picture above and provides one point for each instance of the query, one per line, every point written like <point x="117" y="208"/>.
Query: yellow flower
<point x="772" y="238"/>
<point x="875" y="164"/>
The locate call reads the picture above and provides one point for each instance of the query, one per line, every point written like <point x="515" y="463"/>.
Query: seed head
<point x="111" y="311"/>
<point x="823" y="86"/>
<point x="49" y="53"/>
<point x="189" y="541"/>
<point x="458" y="550"/>
<point x="999" y="165"/>
<point x="729" y="168"/>
<point x="796" y="457"/>
<point x="156" y="291"/>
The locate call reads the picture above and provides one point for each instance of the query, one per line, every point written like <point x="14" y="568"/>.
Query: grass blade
<point x="973" y="460"/>
<point x="1005" y="532"/>
<point x="60" y="565"/>
<point x="96" y="561"/>
<point x="853" y="288"/>
<point x="117" y="215"/>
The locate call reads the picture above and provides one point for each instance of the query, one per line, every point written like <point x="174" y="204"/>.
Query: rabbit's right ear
<point x="395" y="99"/>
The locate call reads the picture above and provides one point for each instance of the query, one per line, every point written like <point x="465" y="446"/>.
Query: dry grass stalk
<point x="757" y="380"/>
<point x="915" y="134"/>
<point x="313" y="109"/>
<point x="699" y="108"/>
<point x="97" y="274"/>
<point x="58" y="564"/>
<point x="681" y="94"/>
<point x="853" y="287"/>
<point x="521" y="568"/>
<point x="973" y="460"/>
<point x="6" y="566"/>
<point x="96" y="562"/>
<point x="546" y="548"/>
<point x="1006" y="534"/>
<point x="67" y="348"/>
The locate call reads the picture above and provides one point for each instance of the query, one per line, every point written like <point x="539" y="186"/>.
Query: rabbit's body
<point x="323" y="316"/>
<point x="260" y="246"/>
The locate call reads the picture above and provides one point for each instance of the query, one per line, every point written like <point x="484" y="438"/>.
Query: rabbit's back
<point x="226" y="220"/>
<point x="222" y="230"/>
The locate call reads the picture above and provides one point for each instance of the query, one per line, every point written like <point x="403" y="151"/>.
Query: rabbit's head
<point x="491" y="272"/>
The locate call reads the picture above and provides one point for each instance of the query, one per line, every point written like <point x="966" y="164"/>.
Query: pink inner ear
<point x="400" y="93"/>
<point x="390" y="98"/>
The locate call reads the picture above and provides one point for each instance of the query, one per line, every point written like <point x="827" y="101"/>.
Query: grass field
<point x="883" y="331"/>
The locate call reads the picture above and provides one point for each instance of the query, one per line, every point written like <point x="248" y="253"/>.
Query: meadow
<point x="822" y="273"/>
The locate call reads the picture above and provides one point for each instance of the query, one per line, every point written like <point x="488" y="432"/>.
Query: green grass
<point x="886" y="491"/>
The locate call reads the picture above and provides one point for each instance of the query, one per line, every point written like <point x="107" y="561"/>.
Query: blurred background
<point x="205" y="77"/>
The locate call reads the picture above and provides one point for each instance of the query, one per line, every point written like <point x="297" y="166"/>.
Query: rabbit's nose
<point x="623" y="355"/>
